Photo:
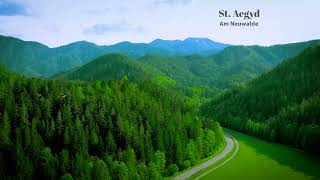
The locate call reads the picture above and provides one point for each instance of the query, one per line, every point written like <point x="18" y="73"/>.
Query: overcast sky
<point x="58" y="22"/>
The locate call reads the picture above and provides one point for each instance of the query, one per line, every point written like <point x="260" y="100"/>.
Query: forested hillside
<point x="35" y="59"/>
<point x="197" y="78"/>
<point x="118" y="66"/>
<point x="111" y="67"/>
<point x="51" y="129"/>
<point x="281" y="105"/>
<point x="226" y="65"/>
<point x="233" y="65"/>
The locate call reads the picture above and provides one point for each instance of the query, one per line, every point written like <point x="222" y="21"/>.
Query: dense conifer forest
<point x="97" y="130"/>
<point x="148" y="111"/>
<point x="282" y="105"/>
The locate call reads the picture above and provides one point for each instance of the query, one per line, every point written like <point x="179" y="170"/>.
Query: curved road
<point x="226" y="151"/>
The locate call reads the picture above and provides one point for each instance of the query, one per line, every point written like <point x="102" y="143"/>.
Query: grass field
<point x="258" y="159"/>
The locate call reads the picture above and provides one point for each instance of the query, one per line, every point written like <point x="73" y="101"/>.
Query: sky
<point x="104" y="22"/>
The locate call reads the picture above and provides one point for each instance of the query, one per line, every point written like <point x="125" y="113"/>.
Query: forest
<point x="41" y="60"/>
<point x="281" y="105"/>
<point x="148" y="111"/>
<point x="112" y="129"/>
<point x="210" y="64"/>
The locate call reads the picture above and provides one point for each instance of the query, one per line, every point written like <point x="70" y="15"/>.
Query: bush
<point x="66" y="177"/>
<point x="173" y="169"/>
<point x="186" y="164"/>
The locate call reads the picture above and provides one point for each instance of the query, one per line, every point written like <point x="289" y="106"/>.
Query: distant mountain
<point x="232" y="65"/>
<point x="237" y="64"/>
<point x="229" y="66"/>
<point x="21" y="56"/>
<point x="135" y="50"/>
<point x="190" y="46"/>
<point x="110" y="67"/>
<point x="35" y="59"/>
<point x="281" y="105"/>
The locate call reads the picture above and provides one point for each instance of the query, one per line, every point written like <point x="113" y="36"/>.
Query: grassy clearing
<point x="258" y="159"/>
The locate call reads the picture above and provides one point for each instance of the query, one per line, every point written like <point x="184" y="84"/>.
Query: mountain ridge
<point x="35" y="59"/>
<point x="233" y="65"/>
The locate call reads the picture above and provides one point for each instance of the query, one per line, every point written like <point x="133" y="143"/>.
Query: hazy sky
<point x="57" y="22"/>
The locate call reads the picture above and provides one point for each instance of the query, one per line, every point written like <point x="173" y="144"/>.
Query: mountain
<point x="189" y="46"/>
<point x="35" y="59"/>
<point x="23" y="57"/>
<point x="281" y="105"/>
<point x="229" y="66"/>
<point x="118" y="66"/>
<point x="238" y="64"/>
<point x="110" y="67"/>
<point x="51" y="129"/>
<point x="232" y="65"/>
<point x="135" y="50"/>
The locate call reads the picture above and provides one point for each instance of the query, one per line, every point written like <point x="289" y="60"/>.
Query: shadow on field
<point x="295" y="159"/>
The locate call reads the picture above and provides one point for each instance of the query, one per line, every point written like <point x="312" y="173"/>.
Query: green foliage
<point x="100" y="170"/>
<point x="95" y="130"/>
<point x="281" y="105"/>
<point x="66" y="177"/>
<point x="47" y="163"/>
<point x="185" y="164"/>
<point x="173" y="169"/>
<point x="159" y="160"/>
<point x="232" y="65"/>
<point x="164" y="81"/>
<point x="111" y="67"/>
<point x="5" y="130"/>
<point x="197" y="78"/>
<point x="35" y="59"/>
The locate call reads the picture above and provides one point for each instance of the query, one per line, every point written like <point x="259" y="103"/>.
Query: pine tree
<point x="5" y="129"/>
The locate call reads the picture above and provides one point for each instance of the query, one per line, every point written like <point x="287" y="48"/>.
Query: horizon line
<point x="83" y="40"/>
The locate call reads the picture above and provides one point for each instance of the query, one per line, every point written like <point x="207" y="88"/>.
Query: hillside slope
<point x="51" y="129"/>
<point x="233" y="65"/>
<point x="110" y="67"/>
<point x="281" y="105"/>
<point x="35" y="59"/>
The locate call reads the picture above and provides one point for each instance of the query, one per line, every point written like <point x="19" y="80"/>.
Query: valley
<point x="159" y="110"/>
<point x="159" y="90"/>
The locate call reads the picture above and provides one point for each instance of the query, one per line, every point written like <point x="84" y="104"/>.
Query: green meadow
<point x="258" y="159"/>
